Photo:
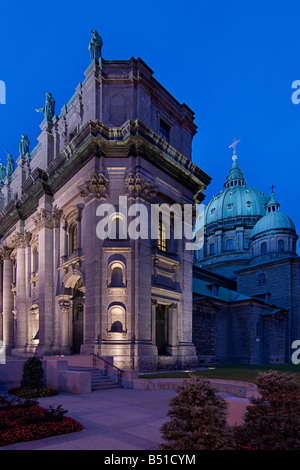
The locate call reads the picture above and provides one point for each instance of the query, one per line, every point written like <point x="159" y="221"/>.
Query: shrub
<point x="33" y="374"/>
<point x="272" y="421"/>
<point x="198" y="419"/>
<point x="33" y="393"/>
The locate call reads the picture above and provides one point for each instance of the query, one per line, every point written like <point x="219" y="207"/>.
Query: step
<point x="99" y="381"/>
<point x="104" y="387"/>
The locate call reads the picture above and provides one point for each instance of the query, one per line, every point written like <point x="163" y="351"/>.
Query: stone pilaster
<point x="93" y="191"/>
<point x="8" y="300"/>
<point x="44" y="223"/>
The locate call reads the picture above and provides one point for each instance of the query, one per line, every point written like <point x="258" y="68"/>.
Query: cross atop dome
<point x="233" y="145"/>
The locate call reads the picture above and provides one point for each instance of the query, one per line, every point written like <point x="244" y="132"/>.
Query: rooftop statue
<point x="48" y="108"/>
<point x="24" y="146"/>
<point x="2" y="174"/>
<point x="10" y="165"/>
<point x="95" y="45"/>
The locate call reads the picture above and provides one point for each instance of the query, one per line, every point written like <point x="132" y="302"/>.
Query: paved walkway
<point x="119" y="419"/>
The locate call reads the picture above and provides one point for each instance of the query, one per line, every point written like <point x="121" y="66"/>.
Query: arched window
<point x="263" y="248"/>
<point x="280" y="245"/>
<point x="117" y="327"/>
<point x="117" y="318"/>
<point x="117" y="277"/>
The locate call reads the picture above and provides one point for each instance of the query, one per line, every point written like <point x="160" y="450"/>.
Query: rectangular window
<point x="247" y="243"/>
<point x="164" y="131"/>
<point x="212" y="249"/>
<point x="229" y="244"/>
<point x="162" y="239"/>
<point x="261" y="278"/>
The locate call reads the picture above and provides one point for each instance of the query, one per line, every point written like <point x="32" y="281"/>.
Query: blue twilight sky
<point x="233" y="62"/>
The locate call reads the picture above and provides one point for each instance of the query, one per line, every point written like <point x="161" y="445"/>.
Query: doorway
<point x="161" y="329"/>
<point x="77" y="318"/>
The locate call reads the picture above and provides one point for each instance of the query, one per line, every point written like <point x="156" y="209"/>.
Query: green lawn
<point x="247" y="373"/>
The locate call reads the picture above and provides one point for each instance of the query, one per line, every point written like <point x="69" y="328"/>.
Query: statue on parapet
<point x="95" y="45"/>
<point x="24" y="147"/>
<point x="48" y="108"/>
<point x="2" y="174"/>
<point x="10" y="165"/>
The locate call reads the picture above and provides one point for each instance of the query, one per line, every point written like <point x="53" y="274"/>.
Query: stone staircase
<point x="99" y="381"/>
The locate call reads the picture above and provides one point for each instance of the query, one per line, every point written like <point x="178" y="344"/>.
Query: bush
<point x="33" y="374"/>
<point x="272" y="421"/>
<point x="198" y="419"/>
<point x="33" y="393"/>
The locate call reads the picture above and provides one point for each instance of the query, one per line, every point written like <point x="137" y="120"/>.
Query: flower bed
<point x="27" y="421"/>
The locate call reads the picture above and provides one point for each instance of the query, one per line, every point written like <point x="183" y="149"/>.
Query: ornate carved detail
<point x="95" y="187"/>
<point x="43" y="219"/>
<point x="56" y="216"/>
<point x="173" y="306"/>
<point x="65" y="305"/>
<point x="21" y="240"/>
<point x="6" y="252"/>
<point x="138" y="186"/>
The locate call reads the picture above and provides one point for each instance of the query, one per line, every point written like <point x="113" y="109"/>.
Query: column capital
<point x="43" y="219"/>
<point x="22" y="240"/>
<point x="6" y="252"/>
<point x="56" y="217"/>
<point x="64" y="305"/>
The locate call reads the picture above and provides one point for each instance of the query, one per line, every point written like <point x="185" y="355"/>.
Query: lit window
<point x="164" y="131"/>
<point x="74" y="239"/>
<point x="162" y="239"/>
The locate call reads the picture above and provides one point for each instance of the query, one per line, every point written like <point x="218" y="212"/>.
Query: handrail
<point x="106" y="364"/>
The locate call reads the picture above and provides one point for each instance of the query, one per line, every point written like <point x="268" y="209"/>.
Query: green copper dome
<point x="274" y="220"/>
<point x="236" y="200"/>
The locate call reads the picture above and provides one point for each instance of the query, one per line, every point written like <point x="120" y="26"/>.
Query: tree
<point x="33" y="374"/>
<point x="198" y="419"/>
<point x="272" y="421"/>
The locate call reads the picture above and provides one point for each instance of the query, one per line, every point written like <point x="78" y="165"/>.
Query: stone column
<point x="8" y="300"/>
<point x="153" y="320"/>
<point x="21" y="241"/>
<point x="56" y="216"/>
<point x="173" y="326"/>
<point x="64" y="306"/>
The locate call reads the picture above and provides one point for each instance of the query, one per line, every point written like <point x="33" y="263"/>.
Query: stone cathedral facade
<point x="62" y="289"/>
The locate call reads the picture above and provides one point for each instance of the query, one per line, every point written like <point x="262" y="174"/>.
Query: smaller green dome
<point x="274" y="221"/>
